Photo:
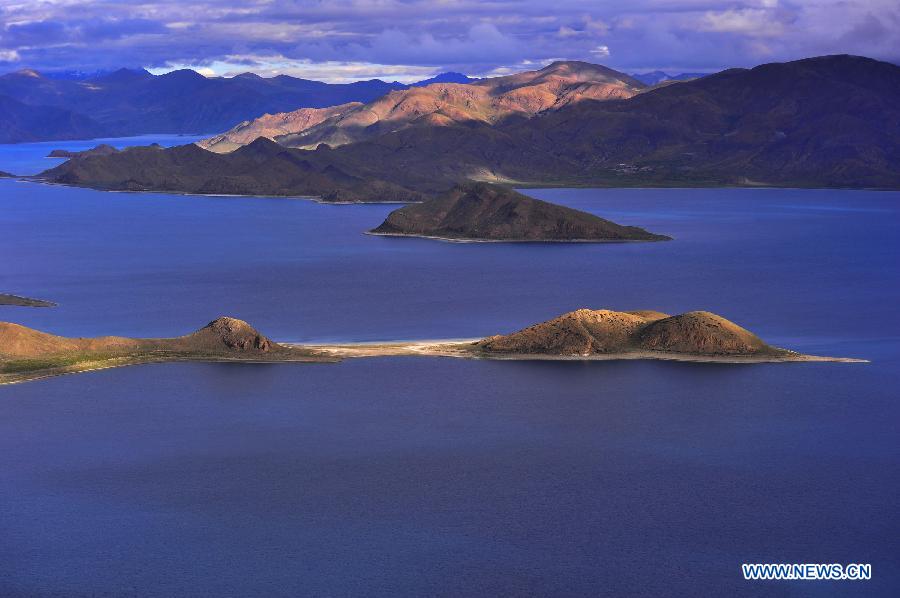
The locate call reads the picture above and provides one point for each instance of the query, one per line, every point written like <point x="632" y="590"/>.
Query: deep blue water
<point x="426" y="476"/>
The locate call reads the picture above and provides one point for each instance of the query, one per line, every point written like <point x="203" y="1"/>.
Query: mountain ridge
<point x="821" y="122"/>
<point x="492" y="100"/>
<point x="134" y="101"/>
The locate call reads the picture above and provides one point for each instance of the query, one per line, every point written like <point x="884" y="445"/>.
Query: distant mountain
<point x="74" y="75"/>
<point x="832" y="121"/>
<point x="656" y="77"/>
<point x="441" y="104"/>
<point x="22" y="122"/>
<point x="134" y="101"/>
<point x="449" y="77"/>
<point x="483" y="212"/>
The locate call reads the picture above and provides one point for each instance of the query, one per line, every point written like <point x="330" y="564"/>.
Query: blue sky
<point x="344" y="40"/>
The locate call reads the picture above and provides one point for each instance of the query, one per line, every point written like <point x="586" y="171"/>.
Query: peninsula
<point x="104" y="149"/>
<point x="6" y="299"/>
<point x="28" y="354"/>
<point x="485" y="212"/>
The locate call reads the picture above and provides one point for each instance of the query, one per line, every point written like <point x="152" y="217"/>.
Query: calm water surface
<point x="399" y="476"/>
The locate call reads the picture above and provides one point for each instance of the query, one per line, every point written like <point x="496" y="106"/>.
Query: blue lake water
<point x="427" y="476"/>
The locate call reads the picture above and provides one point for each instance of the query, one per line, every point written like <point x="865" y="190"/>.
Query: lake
<point x="429" y="476"/>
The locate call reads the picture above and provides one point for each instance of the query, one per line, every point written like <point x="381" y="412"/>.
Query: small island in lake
<point x="6" y="299"/>
<point x="28" y="354"/>
<point x="487" y="212"/>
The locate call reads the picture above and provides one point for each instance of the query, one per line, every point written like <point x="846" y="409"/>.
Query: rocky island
<point x="486" y="212"/>
<point x="28" y="354"/>
<point x="6" y="299"/>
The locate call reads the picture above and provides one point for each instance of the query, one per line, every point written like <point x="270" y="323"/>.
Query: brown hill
<point x="223" y="335"/>
<point x="27" y="354"/>
<point x="440" y="104"/>
<point x="588" y="332"/>
<point x="480" y="211"/>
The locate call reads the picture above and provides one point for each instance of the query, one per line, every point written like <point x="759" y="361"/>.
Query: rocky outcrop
<point x="231" y="334"/>
<point x="486" y="212"/>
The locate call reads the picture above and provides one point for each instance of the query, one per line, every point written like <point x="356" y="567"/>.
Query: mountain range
<point x="831" y="121"/>
<point x="657" y="77"/>
<point x="441" y="103"/>
<point x="34" y="107"/>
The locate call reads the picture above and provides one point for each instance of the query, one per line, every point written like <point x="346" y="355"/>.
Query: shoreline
<point x="313" y="198"/>
<point x="26" y="178"/>
<point x="337" y="352"/>
<point x="462" y="348"/>
<point x="112" y="362"/>
<point x="465" y="240"/>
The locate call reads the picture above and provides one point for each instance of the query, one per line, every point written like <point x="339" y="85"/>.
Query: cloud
<point x="406" y="38"/>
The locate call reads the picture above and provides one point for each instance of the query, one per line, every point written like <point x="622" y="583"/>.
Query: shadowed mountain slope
<point x="20" y="122"/>
<point x="261" y="168"/>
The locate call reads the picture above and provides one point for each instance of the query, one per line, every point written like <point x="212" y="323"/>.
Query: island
<point x="6" y="299"/>
<point x="28" y="354"/>
<point x="602" y="334"/>
<point x="585" y="334"/>
<point x="488" y="212"/>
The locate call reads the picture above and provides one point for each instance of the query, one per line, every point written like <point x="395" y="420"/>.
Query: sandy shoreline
<point x="336" y="352"/>
<point x="462" y="348"/>
<point x="455" y="240"/>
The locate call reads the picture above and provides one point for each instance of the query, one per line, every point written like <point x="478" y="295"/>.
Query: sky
<point x="406" y="40"/>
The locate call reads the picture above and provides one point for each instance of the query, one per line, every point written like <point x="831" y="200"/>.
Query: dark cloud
<point x="478" y="37"/>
